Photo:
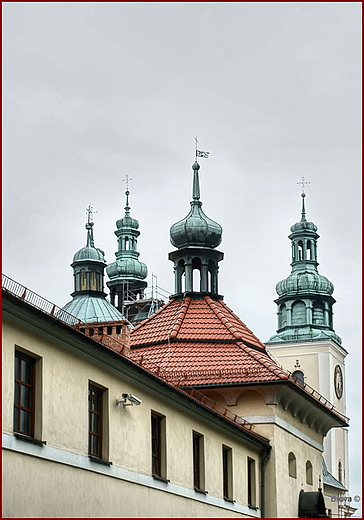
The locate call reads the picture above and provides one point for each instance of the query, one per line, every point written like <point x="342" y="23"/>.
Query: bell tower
<point x="306" y="343"/>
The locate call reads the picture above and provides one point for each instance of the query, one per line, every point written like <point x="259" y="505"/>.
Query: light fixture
<point x="133" y="400"/>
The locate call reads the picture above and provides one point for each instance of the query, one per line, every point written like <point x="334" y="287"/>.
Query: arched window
<point x="318" y="313"/>
<point x="300" y="377"/>
<point x="283" y="316"/>
<point x="127" y="244"/>
<point x="196" y="274"/>
<point x="309" y="250"/>
<point x="292" y="469"/>
<point x="298" y="313"/>
<point x="340" y="472"/>
<point x="83" y="278"/>
<point x="309" y="477"/>
<point x="93" y="281"/>
<point x="300" y="250"/>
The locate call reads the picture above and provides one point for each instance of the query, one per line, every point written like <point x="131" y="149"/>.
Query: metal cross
<point x="90" y="213"/>
<point x="303" y="183"/>
<point x="127" y="181"/>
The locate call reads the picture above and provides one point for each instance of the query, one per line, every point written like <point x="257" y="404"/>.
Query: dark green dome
<point x="127" y="268"/>
<point x="304" y="282"/>
<point x="196" y="229"/>
<point x="89" y="252"/>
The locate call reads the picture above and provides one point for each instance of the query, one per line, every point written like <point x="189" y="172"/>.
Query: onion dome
<point x="304" y="282"/>
<point x="127" y="222"/>
<point x="89" y="252"/>
<point x="127" y="268"/>
<point x="196" y="229"/>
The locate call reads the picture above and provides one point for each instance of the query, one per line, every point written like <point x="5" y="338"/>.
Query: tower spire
<point x="89" y="226"/>
<point x="303" y="182"/>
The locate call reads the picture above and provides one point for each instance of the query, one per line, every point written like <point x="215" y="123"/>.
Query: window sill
<point x="230" y="500"/>
<point x="201" y="491"/>
<point x="253" y="507"/>
<point x="22" y="437"/>
<point x="157" y="477"/>
<point x="100" y="461"/>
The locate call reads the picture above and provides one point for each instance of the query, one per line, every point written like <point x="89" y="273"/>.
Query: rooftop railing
<point x="25" y="294"/>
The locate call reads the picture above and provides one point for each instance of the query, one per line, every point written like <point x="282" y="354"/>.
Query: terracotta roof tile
<point x="201" y="341"/>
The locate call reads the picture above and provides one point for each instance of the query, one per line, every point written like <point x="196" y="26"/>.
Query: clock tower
<point x="306" y="343"/>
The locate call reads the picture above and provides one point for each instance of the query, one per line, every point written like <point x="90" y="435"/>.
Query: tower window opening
<point x="340" y="472"/>
<point x="318" y="314"/>
<point x="298" y="313"/>
<point x="212" y="285"/>
<point x="309" y="250"/>
<point x="93" y="281"/>
<point x="118" y="329"/>
<point x="127" y="244"/>
<point x="109" y="330"/>
<point x="83" y="278"/>
<point x="283" y="316"/>
<point x="300" y="250"/>
<point x="196" y="274"/>
<point x="300" y="378"/>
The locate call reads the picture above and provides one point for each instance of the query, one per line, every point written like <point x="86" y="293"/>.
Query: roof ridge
<point x="218" y="313"/>
<point x="180" y="316"/>
<point x="267" y="362"/>
<point x="137" y="327"/>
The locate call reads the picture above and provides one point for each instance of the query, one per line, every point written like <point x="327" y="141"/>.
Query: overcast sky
<point x="95" y="91"/>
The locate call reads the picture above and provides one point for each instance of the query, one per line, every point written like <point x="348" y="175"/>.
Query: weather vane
<point x="127" y="181"/>
<point x="199" y="153"/>
<point x="303" y="183"/>
<point x="90" y="213"/>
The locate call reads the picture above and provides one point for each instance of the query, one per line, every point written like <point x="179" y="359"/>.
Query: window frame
<point x="22" y="383"/>
<point x="251" y="469"/>
<point x="292" y="465"/>
<point x="198" y="466"/>
<point x="227" y="474"/>
<point x="99" y="413"/>
<point x="158" y="445"/>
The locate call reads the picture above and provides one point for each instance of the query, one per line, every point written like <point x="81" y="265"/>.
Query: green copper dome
<point x="127" y="266"/>
<point x="305" y="297"/>
<point x="89" y="252"/>
<point x="196" y="229"/>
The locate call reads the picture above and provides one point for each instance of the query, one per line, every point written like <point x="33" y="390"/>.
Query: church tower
<point x="306" y="343"/>
<point x="127" y="274"/>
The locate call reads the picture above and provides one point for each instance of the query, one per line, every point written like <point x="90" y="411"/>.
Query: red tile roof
<point x="201" y="341"/>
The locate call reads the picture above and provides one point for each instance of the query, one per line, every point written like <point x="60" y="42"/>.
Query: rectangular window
<point x="198" y="461"/>
<point x="95" y="421"/>
<point x="227" y="476"/>
<point x="24" y="395"/>
<point x="251" y="483"/>
<point x="158" y="446"/>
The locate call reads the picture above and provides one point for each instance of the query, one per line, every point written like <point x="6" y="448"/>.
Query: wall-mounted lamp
<point x="133" y="400"/>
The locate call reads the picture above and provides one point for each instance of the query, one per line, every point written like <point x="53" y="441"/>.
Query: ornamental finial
<point x="303" y="182"/>
<point x="127" y="193"/>
<point x="89" y="224"/>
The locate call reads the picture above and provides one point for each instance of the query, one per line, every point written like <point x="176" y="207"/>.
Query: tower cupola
<point x="305" y="297"/>
<point x="89" y="302"/>
<point x="196" y="237"/>
<point x="127" y="273"/>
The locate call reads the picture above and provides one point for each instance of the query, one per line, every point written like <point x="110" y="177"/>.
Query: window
<point x="251" y="483"/>
<point x="198" y="461"/>
<point x="24" y="395"/>
<point x="300" y="378"/>
<point x="292" y="470"/>
<point x="309" y="477"/>
<point x="83" y="280"/>
<point x="340" y="472"/>
<point x="158" y="446"/>
<point x="95" y="421"/>
<point x="227" y="476"/>
<point x="93" y="281"/>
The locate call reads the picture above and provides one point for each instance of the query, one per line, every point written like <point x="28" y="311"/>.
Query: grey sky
<point x="95" y="91"/>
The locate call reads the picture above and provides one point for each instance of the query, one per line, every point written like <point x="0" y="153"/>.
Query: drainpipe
<point x="262" y="481"/>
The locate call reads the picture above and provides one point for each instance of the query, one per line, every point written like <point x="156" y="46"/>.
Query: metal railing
<point x="25" y="294"/>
